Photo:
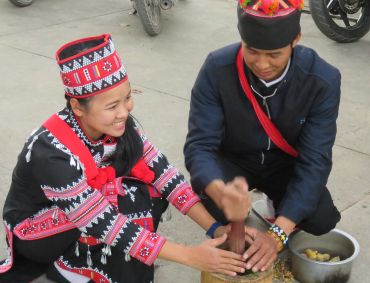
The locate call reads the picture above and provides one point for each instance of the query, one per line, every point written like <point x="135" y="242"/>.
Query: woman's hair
<point x="129" y="145"/>
<point x="129" y="148"/>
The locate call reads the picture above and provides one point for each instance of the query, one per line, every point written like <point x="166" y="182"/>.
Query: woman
<point x="89" y="188"/>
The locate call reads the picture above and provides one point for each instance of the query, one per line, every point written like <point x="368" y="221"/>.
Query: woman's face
<point x="107" y="112"/>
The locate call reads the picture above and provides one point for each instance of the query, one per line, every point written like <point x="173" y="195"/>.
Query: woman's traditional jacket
<point x="50" y="194"/>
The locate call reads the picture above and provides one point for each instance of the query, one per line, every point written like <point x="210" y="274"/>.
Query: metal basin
<point x="336" y="243"/>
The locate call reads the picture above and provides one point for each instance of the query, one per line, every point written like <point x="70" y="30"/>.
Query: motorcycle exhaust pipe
<point x="167" y="4"/>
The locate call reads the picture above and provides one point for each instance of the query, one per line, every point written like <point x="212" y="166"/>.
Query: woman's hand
<point x="208" y="257"/>
<point x="262" y="251"/>
<point x="220" y="231"/>
<point x="236" y="200"/>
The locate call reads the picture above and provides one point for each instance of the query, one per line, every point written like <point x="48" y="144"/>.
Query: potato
<point x="326" y="257"/>
<point x="335" y="259"/>
<point x="320" y="257"/>
<point x="311" y="254"/>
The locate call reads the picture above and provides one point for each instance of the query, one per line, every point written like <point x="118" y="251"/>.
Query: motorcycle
<point x="149" y="12"/>
<point x="21" y="3"/>
<point x="341" y="20"/>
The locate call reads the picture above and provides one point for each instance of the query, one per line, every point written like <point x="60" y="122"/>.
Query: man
<point x="266" y="110"/>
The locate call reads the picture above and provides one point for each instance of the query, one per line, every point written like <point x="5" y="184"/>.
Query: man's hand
<point x="236" y="200"/>
<point x="262" y="251"/>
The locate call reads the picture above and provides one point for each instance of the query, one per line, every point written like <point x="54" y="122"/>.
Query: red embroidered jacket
<point x="49" y="183"/>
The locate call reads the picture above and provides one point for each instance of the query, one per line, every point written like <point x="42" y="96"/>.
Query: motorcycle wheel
<point x="150" y="15"/>
<point x="334" y="22"/>
<point x="21" y="3"/>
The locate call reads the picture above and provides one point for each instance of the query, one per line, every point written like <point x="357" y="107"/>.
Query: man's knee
<point x="325" y="217"/>
<point x="320" y="226"/>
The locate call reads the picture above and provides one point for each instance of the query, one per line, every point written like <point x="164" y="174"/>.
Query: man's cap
<point x="269" y="24"/>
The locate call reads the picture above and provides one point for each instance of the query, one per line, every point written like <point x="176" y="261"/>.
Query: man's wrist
<point x="286" y="224"/>
<point x="279" y="235"/>
<point x="279" y="244"/>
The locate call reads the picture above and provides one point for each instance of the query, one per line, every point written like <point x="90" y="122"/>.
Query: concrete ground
<point x="163" y="70"/>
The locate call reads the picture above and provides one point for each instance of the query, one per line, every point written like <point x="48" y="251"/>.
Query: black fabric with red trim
<point x="268" y="24"/>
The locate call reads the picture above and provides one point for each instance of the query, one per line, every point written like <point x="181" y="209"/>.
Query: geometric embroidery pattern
<point x="92" y="71"/>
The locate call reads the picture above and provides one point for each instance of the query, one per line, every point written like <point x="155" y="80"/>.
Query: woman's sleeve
<point x="63" y="182"/>
<point x="168" y="180"/>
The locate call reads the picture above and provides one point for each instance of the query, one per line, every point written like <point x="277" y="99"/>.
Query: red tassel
<point x="105" y="175"/>
<point x="142" y="172"/>
<point x="110" y="172"/>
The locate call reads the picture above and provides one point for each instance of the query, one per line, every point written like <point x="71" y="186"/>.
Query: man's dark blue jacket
<point x="304" y="109"/>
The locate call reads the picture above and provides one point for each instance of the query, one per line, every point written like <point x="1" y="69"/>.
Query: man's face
<point x="267" y="64"/>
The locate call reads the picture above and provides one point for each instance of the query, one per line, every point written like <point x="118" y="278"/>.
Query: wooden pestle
<point x="237" y="237"/>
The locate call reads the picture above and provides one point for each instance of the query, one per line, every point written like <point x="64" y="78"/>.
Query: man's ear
<point x="296" y="39"/>
<point x="76" y="107"/>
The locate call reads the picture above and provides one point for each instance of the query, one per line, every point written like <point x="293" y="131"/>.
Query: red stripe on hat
<point x="88" y="74"/>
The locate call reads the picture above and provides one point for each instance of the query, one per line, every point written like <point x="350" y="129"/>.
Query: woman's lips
<point x="119" y="125"/>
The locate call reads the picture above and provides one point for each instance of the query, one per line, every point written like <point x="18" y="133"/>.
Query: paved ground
<point x="164" y="69"/>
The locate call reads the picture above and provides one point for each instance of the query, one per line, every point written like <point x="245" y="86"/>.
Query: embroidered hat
<point x="269" y="24"/>
<point x="89" y="66"/>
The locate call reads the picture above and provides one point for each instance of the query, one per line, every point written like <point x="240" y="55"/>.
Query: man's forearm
<point x="201" y="216"/>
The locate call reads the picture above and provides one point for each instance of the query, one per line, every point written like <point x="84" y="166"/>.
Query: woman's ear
<point x="296" y="39"/>
<point x="77" y="108"/>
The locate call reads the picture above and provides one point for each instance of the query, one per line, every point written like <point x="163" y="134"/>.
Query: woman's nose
<point x="123" y="111"/>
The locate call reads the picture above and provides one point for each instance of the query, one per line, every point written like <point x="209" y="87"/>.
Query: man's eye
<point x="275" y="55"/>
<point x="112" y="107"/>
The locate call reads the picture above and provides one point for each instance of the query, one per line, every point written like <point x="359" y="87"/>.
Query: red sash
<point x="68" y="138"/>
<point x="266" y="123"/>
<point x="98" y="178"/>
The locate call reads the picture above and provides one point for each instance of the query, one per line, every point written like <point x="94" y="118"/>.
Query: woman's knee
<point x="47" y="249"/>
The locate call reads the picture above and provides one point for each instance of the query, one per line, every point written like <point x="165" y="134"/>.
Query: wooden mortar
<point x="258" y="277"/>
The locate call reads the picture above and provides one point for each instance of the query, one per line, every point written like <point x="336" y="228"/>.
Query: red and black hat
<point x="269" y="24"/>
<point x="89" y="66"/>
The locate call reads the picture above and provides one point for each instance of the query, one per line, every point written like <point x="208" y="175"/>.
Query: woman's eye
<point x="112" y="107"/>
